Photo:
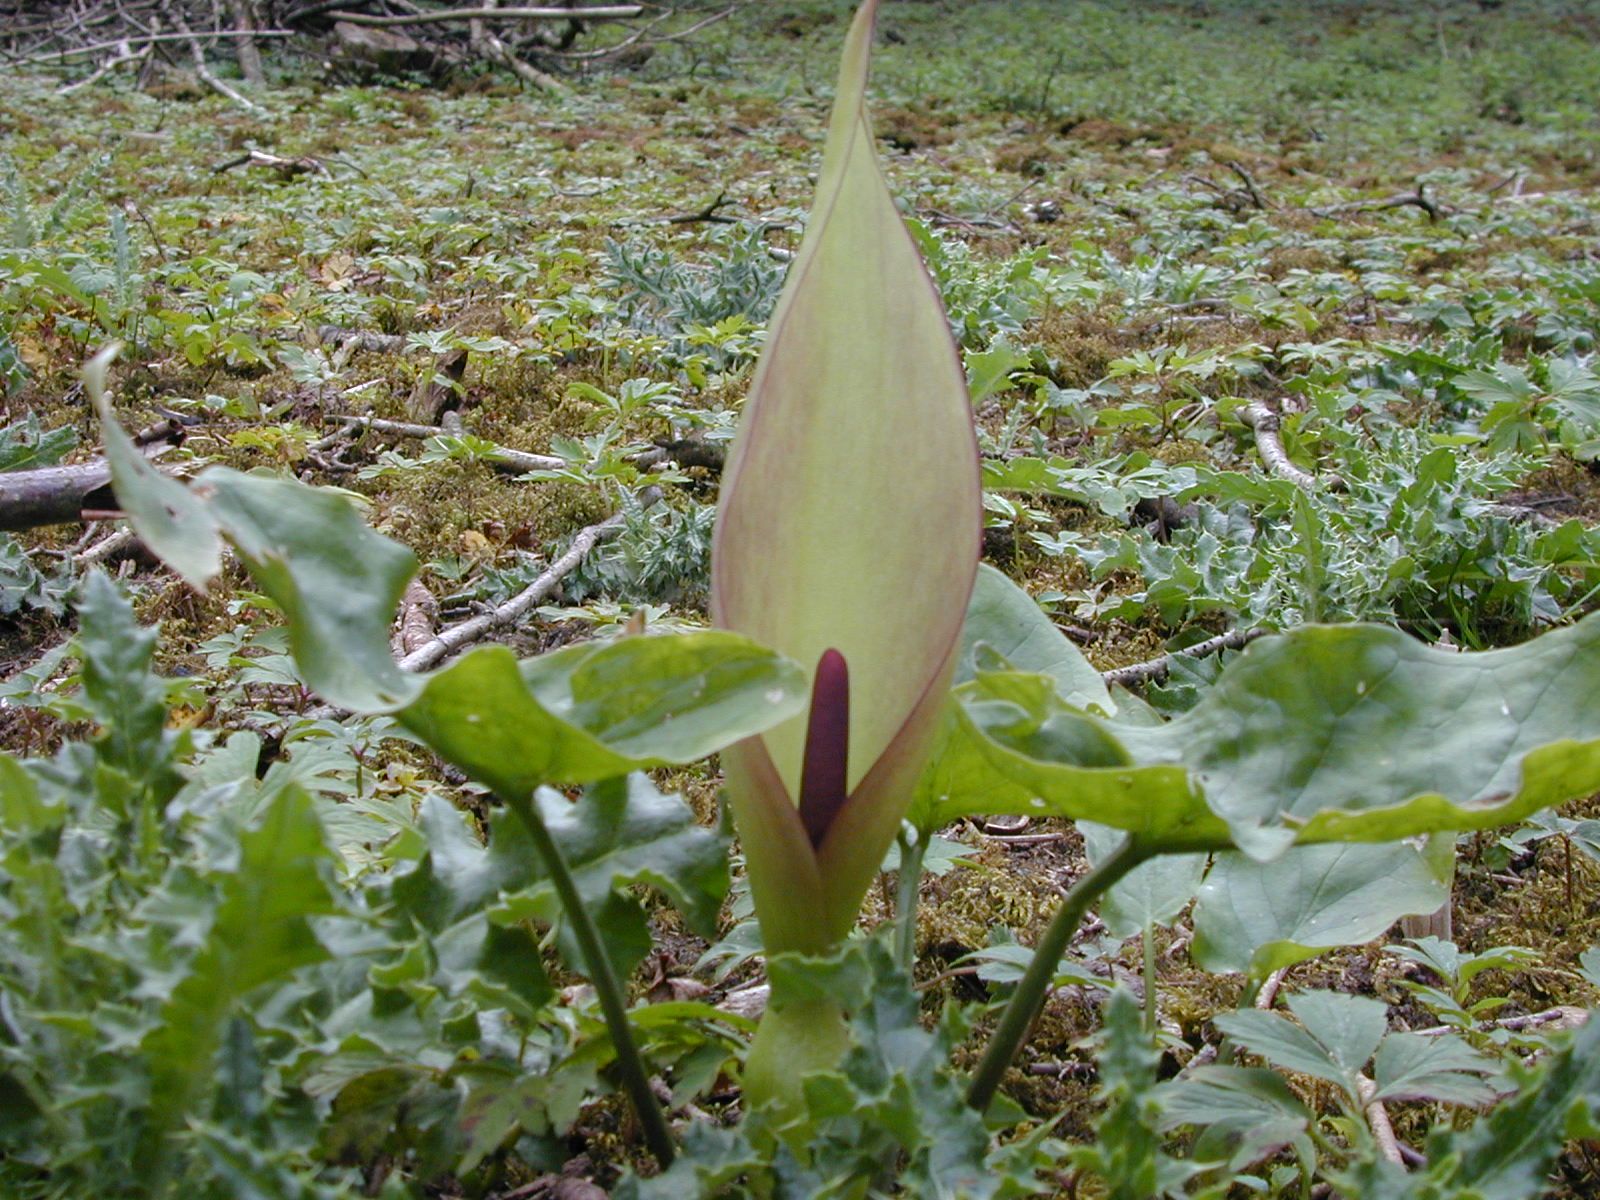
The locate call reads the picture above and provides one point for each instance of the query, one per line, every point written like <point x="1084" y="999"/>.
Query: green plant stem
<point x="635" y="1079"/>
<point x="905" y="898"/>
<point x="1149" y="948"/>
<point x="1029" y="997"/>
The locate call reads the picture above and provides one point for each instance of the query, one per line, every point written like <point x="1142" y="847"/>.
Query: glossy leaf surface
<point x="176" y="525"/>
<point x="1258" y="917"/>
<point x="593" y="711"/>
<point x="1344" y="733"/>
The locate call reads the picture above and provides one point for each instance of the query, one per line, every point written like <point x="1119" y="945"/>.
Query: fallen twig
<point x="107" y="547"/>
<point x="457" y="636"/>
<point x="1417" y="199"/>
<point x="638" y="35"/>
<point x="125" y="54"/>
<point x="1270" y="987"/>
<point x="148" y="39"/>
<point x="288" y="168"/>
<point x="1267" y="425"/>
<point x="365" y="340"/>
<point x="1378" y="1119"/>
<point x="60" y="495"/>
<point x="708" y="214"/>
<point x="197" y="52"/>
<point x="501" y="456"/>
<point x="1562" y="1016"/>
<point x="1249" y="182"/>
<point x="616" y="12"/>
<point x="1156" y="669"/>
<point x="418" y="613"/>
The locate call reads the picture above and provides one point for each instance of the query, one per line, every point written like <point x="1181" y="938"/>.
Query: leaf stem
<point x="1149" y="949"/>
<point x="905" y="896"/>
<point x="635" y="1079"/>
<point x="1029" y="997"/>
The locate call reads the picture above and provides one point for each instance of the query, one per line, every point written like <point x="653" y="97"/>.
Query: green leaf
<point x="1010" y="621"/>
<point x="177" y="525"/>
<point x="1252" y="1104"/>
<point x="1326" y="733"/>
<point x="1348" y="1027"/>
<point x="1284" y="1044"/>
<point x="447" y="892"/>
<point x="987" y="371"/>
<point x="1411" y="1066"/>
<point x="128" y="701"/>
<point x="1153" y="893"/>
<point x="24" y="446"/>
<point x="595" y="711"/>
<point x="619" y="833"/>
<point x="1128" y="1153"/>
<point x="260" y="932"/>
<point x="1258" y="917"/>
<point x="1506" y="1155"/>
<point x="336" y="579"/>
<point x="1061" y="761"/>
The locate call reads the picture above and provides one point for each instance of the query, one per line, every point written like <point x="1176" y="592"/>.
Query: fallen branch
<point x="1417" y="199"/>
<point x="638" y="35"/>
<point x="707" y="215"/>
<point x="288" y="168"/>
<point x="1378" y="1119"/>
<point x="364" y="340"/>
<point x="686" y="452"/>
<point x="458" y="636"/>
<point x="1270" y="988"/>
<point x="1267" y="425"/>
<point x="1156" y="669"/>
<point x="125" y="54"/>
<point x="1519" y="512"/>
<point x="486" y="45"/>
<point x="1249" y="182"/>
<point x="617" y="12"/>
<point x="1562" y="1016"/>
<point x="197" y="52"/>
<point x="62" y="495"/>
<point x="501" y="456"/>
<point x="418" y="613"/>
<point x="107" y="547"/>
<point x="148" y="39"/>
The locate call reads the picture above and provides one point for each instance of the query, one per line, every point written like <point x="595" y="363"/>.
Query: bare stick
<point x="457" y="636"/>
<point x="418" y="610"/>
<point x="1156" y="669"/>
<point x="518" y="460"/>
<point x="1249" y="182"/>
<point x="613" y="13"/>
<point x="1268" y="994"/>
<point x="364" y="340"/>
<point x="1563" y="1016"/>
<point x="125" y="54"/>
<point x="107" y="547"/>
<point x="1417" y="199"/>
<point x="210" y="80"/>
<point x="487" y="46"/>
<point x="287" y="167"/>
<point x="145" y="39"/>
<point x="1269" y="444"/>
<point x="1378" y="1119"/>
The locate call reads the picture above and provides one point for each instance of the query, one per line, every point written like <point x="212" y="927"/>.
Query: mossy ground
<point x="495" y="214"/>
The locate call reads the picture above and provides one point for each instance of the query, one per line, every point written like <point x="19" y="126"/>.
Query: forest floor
<point x="1153" y="225"/>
